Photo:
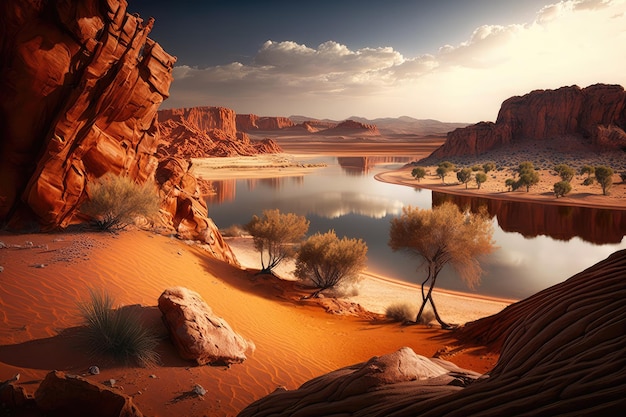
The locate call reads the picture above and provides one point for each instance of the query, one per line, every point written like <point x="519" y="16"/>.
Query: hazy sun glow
<point x="571" y="42"/>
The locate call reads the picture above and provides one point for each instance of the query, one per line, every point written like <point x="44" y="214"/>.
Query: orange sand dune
<point x="295" y="341"/>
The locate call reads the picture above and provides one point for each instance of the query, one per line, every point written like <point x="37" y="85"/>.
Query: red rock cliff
<point x="80" y="85"/>
<point x="251" y="122"/>
<point x="596" y="113"/>
<point x="203" y="118"/>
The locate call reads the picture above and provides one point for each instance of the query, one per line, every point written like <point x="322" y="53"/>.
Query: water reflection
<point x="361" y="165"/>
<point x="598" y="226"/>
<point x="537" y="245"/>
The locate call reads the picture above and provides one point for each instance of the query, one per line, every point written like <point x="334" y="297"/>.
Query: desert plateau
<point x="133" y="238"/>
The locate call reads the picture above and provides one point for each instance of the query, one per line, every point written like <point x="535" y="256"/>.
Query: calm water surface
<point x="538" y="245"/>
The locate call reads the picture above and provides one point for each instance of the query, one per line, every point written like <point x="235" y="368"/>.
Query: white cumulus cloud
<point x="571" y="42"/>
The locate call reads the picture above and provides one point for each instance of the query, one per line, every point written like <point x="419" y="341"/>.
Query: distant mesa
<point x="351" y="127"/>
<point x="200" y="132"/>
<point x="596" y="115"/>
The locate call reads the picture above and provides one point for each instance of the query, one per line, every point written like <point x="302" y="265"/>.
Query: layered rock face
<point x="201" y="132"/>
<point x="197" y="333"/>
<point x="561" y="350"/>
<point x="596" y="113"/>
<point x="252" y="122"/>
<point x="183" y="207"/>
<point x="80" y="85"/>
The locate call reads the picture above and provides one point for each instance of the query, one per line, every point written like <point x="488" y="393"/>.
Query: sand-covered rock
<point x="197" y="333"/>
<point x="69" y="395"/>
<point x="366" y="389"/>
<point x="562" y="352"/>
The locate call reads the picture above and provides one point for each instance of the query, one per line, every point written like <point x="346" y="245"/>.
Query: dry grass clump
<point x="235" y="230"/>
<point x="116" y="201"/>
<point x="400" y="312"/>
<point x="116" y="332"/>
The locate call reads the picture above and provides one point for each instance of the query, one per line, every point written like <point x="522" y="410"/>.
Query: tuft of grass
<point x="234" y="230"/>
<point x="116" y="201"/>
<point x="400" y="312"/>
<point x="116" y="332"/>
<point x="427" y="317"/>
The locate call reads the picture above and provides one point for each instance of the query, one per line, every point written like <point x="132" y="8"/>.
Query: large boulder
<point x="74" y="396"/>
<point x="562" y="353"/>
<point x="80" y="85"/>
<point x="197" y="333"/>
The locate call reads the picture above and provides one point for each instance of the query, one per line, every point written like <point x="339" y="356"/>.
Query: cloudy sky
<point x="450" y="60"/>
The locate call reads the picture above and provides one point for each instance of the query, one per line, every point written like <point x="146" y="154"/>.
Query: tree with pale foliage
<point x="328" y="261"/>
<point x="480" y="177"/>
<point x="418" y="173"/>
<point x="115" y="202"/>
<point x="443" y="168"/>
<point x="276" y="236"/>
<point x="443" y="236"/>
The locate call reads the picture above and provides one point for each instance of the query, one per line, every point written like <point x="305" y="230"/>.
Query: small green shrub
<point x="400" y="312"/>
<point x="116" y="201"/>
<point x="116" y="332"/>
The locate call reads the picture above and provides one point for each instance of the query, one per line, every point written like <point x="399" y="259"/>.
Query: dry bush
<point x="116" y="201"/>
<point x="116" y="332"/>
<point x="400" y="312"/>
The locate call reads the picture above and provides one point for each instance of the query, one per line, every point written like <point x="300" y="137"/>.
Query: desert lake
<point x="537" y="245"/>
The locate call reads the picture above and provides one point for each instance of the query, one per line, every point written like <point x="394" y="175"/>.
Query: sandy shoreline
<point x="376" y="292"/>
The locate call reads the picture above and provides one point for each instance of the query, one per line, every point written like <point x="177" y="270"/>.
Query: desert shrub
<point x="562" y="188"/>
<point x="401" y="312"/>
<point x="489" y="166"/>
<point x="328" y="261"/>
<point x="480" y="177"/>
<point x="276" y="235"/>
<point x="604" y="176"/>
<point x="116" y="201"/>
<point x="528" y="175"/>
<point x="427" y="317"/>
<point x="418" y="173"/>
<point x="234" y="230"/>
<point x="464" y="175"/>
<point x="565" y="172"/>
<point x="443" y="169"/>
<point x="116" y="332"/>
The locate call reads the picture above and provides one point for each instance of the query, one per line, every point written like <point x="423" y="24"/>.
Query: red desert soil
<point x="45" y="275"/>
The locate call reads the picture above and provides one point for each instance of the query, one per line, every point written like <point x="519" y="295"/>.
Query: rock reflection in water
<point x="594" y="225"/>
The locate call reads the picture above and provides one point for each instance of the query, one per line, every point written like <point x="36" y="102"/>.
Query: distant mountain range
<point x="394" y="125"/>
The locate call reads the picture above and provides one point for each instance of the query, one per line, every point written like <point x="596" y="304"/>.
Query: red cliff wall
<point x="596" y="113"/>
<point x="203" y="118"/>
<point x="80" y="85"/>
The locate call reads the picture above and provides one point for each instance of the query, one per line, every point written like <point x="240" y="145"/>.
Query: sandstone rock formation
<point x="561" y="351"/>
<point x="197" y="333"/>
<point x="183" y="207"/>
<point x="252" y="122"/>
<point x="350" y="127"/>
<point x="67" y="395"/>
<point x="80" y="85"/>
<point x="597" y="114"/>
<point x="200" y="132"/>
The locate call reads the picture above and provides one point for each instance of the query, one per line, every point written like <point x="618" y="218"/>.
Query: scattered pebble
<point x="1" y="269"/>
<point x="94" y="370"/>
<point x="198" y="390"/>
<point x="153" y="376"/>
<point x="39" y="265"/>
<point x="111" y="382"/>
